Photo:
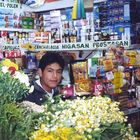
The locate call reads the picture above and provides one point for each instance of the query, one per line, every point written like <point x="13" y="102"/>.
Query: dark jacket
<point x="39" y="95"/>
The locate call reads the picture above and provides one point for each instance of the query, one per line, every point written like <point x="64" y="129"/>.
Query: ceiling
<point x="33" y="3"/>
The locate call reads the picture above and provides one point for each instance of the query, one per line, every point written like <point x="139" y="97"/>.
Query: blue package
<point x="96" y="12"/>
<point x="68" y="14"/>
<point x="127" y="12"/>
<point x="119" y="28"/>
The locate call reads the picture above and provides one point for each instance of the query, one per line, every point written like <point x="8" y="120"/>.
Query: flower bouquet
<point x="14" y="84"/>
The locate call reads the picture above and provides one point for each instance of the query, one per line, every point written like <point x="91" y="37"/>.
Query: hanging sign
<point x="9" y="5"/>
<point x="99" y="45"/>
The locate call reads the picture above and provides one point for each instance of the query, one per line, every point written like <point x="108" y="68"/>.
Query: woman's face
<point x="51" y="76"/>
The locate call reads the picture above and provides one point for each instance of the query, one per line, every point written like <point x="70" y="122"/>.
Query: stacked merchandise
<point x="12" y="24"/>
<point x="55" y="26"/>
<point x="51" y="22"/>
<point x="10" y="19"/>
<point x="117" y="19"/>
<point x="13" y="19"/>
<point x="79" y="30"/>
<point x="116" y="75"/>
<point x="61" y="27"/>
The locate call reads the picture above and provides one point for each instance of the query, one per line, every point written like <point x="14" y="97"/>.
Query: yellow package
<point x="119" y="85"/>
<point x="130" y="53"/>
<point x="84" y="86"/>
<point x="137" y="62"/>
<point x="118" y="82"/>
<point x="80" y="71"/>
<point x="108" y="64"/>
<point x="132" y="61"/>
<point x="118" y="74"/>
<point x="117" y="90"/>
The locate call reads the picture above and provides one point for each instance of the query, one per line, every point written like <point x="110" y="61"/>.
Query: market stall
<point x="101" y="84"/>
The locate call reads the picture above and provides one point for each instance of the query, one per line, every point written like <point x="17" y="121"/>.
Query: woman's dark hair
<point x="49" y="58"/>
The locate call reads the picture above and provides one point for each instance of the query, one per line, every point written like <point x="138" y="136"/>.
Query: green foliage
<point x="16" y="122"/>
<point x="11" y="89"/>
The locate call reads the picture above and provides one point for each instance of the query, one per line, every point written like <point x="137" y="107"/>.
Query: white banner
<point x="99" y="45"/>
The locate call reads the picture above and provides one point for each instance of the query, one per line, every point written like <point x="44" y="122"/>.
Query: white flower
<point x="23" y="78"/>
<point x="34" y="107"/>
<point x="4" y="69"/>
<point x="89" y="130"/>
<point x="89" y="136"/>
<point x="52" y="100"/>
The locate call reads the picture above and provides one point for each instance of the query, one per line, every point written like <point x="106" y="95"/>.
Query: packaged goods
<point x="80" y="72"/>
<point x="97" y="87"/>
<point x="137" y="74"/>
<point x="83" y="87"/>
<point x="108" y="64"/>
<point x="137" y="62"/>
<point x="81" y="79"/>
<point x="131" y="54"/>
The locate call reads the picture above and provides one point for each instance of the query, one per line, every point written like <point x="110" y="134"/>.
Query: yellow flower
<point x="9" y="63"/>
<point x="85" y="115"/>
<point x="58" y="134"/>
<point x="28" y="46"/>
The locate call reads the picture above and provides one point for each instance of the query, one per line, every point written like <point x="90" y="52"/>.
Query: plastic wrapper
<point x="80" y="76"/>
<point x="109" y="89"/>
<point x="68" y="91"/>
<point x="80" y="72"/>
<point x="97" y="87"/>
<point x="131" y="54"/>
<point x="137" y="74"/>
<point x="137" y="62"/>
<point x="83" y="87"/>
<point x="108" y="64"/>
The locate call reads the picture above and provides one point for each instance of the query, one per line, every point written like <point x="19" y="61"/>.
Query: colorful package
<point x="83" y="88"/>
<point x="80" y="72"/>
<point x="97" y="88"/>
<point x="108" y="64"/>
<point x="137" y="74"/>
